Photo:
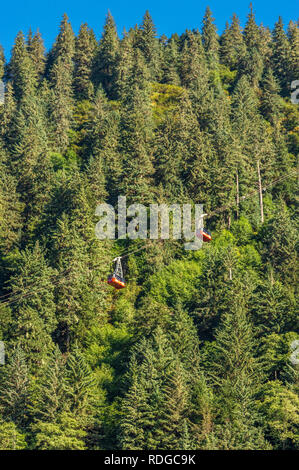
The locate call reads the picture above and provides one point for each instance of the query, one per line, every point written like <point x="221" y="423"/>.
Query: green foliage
<point x="165" y="98"/>
<point x="175" y="283"/>
<point x="65" y="434"/>
<point x="10" y="437"/>
<point x="242" y="230"/>
<point x="195" y="352"/>
<point x="280" y="408"/>
<point x="14" y="389"/>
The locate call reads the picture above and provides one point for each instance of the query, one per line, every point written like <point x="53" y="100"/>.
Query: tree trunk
<point x="238" y="196"/>
<point x="260" y="191"/>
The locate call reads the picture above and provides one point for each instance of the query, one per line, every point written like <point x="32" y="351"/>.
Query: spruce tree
<point x="271" y="104"/>
<point x="49" y="398"/>
<point x="104" y="69"/>
<point x="81" y="388"/>
<point x="171" y="63"/>
<point x="21" y="70"/>
<point x="7" y="111"/>
<point x="281" y="56"/>
<point x="293" y="35"/>
<point x="84" y="55"/>
<point x="136" y="134"/>
<point x="251" y="31"/>
<point x="10" y="437"/>
<point x="14" y="389"/>
<point x="65" y="434"/>
<point x="64" y="46"/>
<point x="232" y="45"/>
<point x="10" y="211"/>
<point x="273" y="307"/>
<point x="134" y="407"/>
<point x="124" y="66"/>
<point x="173" y="420"/>
<point x="61" y="67"/>
<point x="36" y="51"/>
<point x="210" y="38"/>
<point x="2" y="62"/>
<point x="148" y="44"/>
<point x="105" y="166"/>
<point x="279" y="247"/>
<point x="236" y="379"/>
<point x="193" y="66"/>
<point x="30" y="162"/>
<point x="33" y="310"/>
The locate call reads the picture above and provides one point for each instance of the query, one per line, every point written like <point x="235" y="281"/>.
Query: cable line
<point x="13" y="298"/>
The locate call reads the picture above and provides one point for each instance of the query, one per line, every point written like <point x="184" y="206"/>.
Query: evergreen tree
<point x="271" y="105"/>
<point x="49" y="399"/>
<point x="134" y="407"/>
<point x="136" y="133"/>
<point x="199" y="350"/>
<point x="2" y="62"/>
<point x="148" y="370"/>
<point x="252" y="63"/>
<point x="234" y="371"/>
<point x="181" y="154"/>
<point x="79" y="300"/>
<point x="29" y="162"/>
<point x="184" y="340"/>
<point x="280" y="408"/>
<point x="265" y="46"/>
<point x="10" y="211"/>
<point x="148" y="44"/>
<point x="202" y="413"/>
<point x="62" y="435"/>
<point x="84" y="54"/>
<point x="293" y="35"/>
<point x="281" y="55"/>
<point x="81" y="388"/>
<point x="232" y="46"/>
<point x="173" y="421"/>
<point x="105" y="166"/>
<point x="7" y="111"/>
<point x="106" y="58"/>
<point x="21" y="70"/>
<point x="193" y="68"/>
<point x="210" y="300"/>
<point x="251" y="31"/>
<point x="33" y="311"/>
<point x="36" y="51"/>
<point x="279" y="247"/>
<point x="124" y="66"/>
<point x="61" y="66"/>
<point x="171" y="63"/>
<point x="10" y="437"/>
<point x="14" y="389"/>
<point x="274" y="307"/>
<point x="64" y="46"/>
<point x="210" y="38"/>
<point x="61" y="103"/>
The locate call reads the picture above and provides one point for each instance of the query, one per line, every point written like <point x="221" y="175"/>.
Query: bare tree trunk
<point x="238" y="196"/>
<point x="260" y="191"/>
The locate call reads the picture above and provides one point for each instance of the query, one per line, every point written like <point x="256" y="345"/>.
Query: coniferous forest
<point x="195" y="352"/>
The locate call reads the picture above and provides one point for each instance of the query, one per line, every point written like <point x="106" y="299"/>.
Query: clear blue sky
<point x="169" y="15"/>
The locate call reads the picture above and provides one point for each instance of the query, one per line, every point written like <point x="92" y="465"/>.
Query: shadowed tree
<point x="84" y="53"/>
<point x="104" y="68"/>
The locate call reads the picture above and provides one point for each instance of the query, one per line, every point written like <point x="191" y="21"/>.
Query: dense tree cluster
<point x="195" y="353"/>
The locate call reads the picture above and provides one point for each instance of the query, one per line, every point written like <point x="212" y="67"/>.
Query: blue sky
<point x="169" y="15"/>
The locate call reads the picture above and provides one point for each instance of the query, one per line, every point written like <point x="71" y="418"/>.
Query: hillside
<point x="195" y="352"/>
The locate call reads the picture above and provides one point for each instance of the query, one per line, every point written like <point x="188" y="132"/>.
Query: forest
<point x="195" y="352"/>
